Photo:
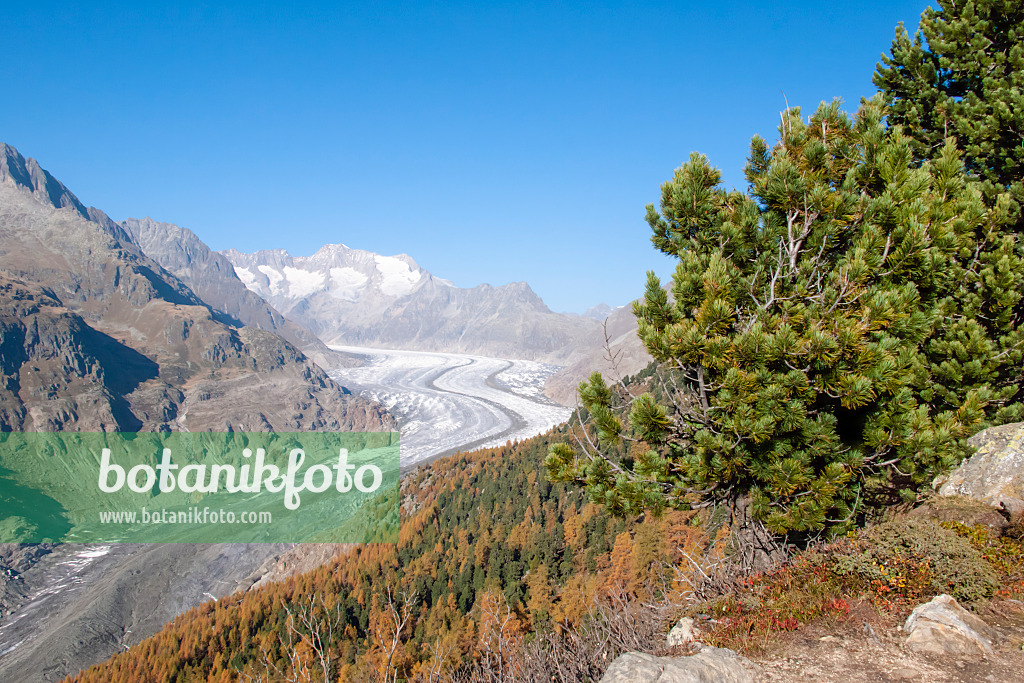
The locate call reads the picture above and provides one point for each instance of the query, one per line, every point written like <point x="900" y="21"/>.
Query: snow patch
<point x="275" y="278"/>
<point x="247" y="277"/>
<point x="397" y="278"/>
<point x="527" y="378"/>
<point x="91" y="553"/>
<point x="302" y="283"/>
<point x="347" y="283"/>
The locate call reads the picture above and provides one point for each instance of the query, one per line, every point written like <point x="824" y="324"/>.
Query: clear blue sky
<point x="492" y="143"/>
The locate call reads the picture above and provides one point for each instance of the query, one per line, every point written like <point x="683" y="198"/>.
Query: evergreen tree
<point x="962" y="76"/>
<point x="962" y="79"/>
<point x="818" y="337"/>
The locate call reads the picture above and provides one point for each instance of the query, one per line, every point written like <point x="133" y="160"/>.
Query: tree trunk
<point x="754" y="546"/>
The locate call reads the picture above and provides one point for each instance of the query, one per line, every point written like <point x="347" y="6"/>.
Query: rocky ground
<point x="872" y="649"/>
<point x="868" y="646"/>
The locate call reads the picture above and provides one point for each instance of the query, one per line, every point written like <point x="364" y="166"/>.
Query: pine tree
<point x="962" y="76"/>
<point x="961" y="79"/>
<point x="817" y="341"/>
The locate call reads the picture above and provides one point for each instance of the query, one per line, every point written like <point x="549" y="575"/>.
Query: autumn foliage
<point x="489" y="554"/>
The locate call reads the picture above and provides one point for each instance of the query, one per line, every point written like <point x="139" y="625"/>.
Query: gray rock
<point x="685" y="631"/>
<point x="942" y="626"/>
<point x="99" y="337"/>
<point x="635" y="666"/>
<point x="995" y="473"/>
<point x="710" y="665"/>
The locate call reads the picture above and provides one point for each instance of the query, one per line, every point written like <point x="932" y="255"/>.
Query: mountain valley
<point x="96" y="336"/>
<point x="449" y="402"/>
<point x="139" y="326"/>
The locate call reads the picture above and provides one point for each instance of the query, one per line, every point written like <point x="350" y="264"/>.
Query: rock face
<point x="942" y="626"/>
<point x="358" y="298"/>
<point x="212" y="277"/>
<point x="995" y="473"/>
<point x="710" y="665"/>
<point x="96" y="336"/>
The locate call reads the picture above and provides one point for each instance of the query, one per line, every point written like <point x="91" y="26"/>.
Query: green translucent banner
<point x="186" y="487"/>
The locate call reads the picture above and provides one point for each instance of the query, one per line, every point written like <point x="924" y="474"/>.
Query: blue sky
<point x="490" y="142"/>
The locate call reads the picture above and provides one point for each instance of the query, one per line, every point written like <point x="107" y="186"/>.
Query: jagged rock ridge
<point x="81" y="295"/>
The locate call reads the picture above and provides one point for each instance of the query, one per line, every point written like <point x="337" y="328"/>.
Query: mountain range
<point x="358" y="298"/>
<point x="212" y="277"/>
<point x="97" y="336"/>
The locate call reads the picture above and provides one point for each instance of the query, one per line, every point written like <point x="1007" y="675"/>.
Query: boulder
<point x="710" y="665"/>
<point x="685" y="631"/>
<point x="995" y="473"/>
<point x="942" y="626"/>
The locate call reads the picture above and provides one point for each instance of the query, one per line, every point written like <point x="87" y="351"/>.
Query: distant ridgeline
<point x="358" y="298"/>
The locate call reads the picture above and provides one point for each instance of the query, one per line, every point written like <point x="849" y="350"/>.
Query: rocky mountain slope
<point x="358" y="298"/>
<point x="96" y="336"/>
<point x="83" y="304"/>
<point x="615" y="351"/>
<point x="600" y="311"/>
<point x="212" y="277"/>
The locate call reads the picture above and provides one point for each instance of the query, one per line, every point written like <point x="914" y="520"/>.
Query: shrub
<point x="898" y="557"/>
